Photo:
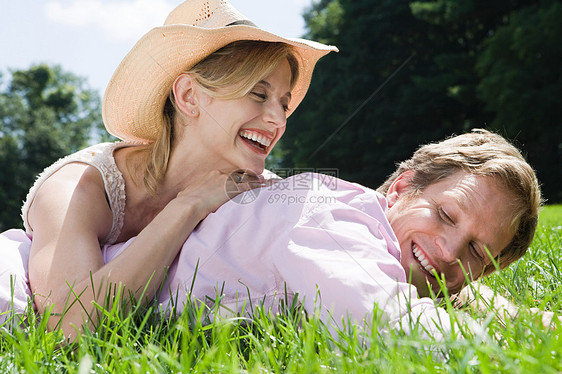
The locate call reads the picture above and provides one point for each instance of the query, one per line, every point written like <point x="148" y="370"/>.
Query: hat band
<point x="242" y="22"/>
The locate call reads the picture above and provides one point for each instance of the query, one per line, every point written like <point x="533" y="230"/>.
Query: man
<point x="453" y="212"/>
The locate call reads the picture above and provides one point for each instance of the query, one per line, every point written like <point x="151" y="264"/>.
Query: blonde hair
<point x="238" y="67"/>
<point x="481" y="153"/>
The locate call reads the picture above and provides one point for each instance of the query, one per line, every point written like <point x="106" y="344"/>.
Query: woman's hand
<point x="215" y="187"/>
<point x="480" y="298"/>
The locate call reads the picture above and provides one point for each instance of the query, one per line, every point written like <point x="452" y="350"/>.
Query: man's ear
<point x="185" y="93"/>
<point x="399" y="187"/>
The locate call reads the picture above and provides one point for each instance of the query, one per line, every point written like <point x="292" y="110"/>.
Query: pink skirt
<point x="15" y="293"/>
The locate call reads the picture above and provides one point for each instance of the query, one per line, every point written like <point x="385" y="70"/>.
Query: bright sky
<point x="90" y="37"/>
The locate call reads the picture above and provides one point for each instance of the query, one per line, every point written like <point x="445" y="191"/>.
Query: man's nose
<point x="451" y="247"/>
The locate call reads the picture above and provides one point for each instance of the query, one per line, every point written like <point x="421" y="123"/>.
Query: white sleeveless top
<point x="101" y="157"/>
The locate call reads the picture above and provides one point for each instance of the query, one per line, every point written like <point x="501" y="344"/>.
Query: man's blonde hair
<point x="482" y="153"/>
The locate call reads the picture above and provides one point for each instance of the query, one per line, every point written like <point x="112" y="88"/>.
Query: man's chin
<point x="424" y="287"/>
<point x="424" y="290"/>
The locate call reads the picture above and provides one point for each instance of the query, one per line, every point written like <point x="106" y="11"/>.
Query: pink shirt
<point x="323" y="238"/>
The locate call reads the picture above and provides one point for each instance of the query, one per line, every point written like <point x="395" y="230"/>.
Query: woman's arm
<point x="70" y="215"/>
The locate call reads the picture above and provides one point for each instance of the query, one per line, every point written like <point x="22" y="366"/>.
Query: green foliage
<point x="45" y="113"/>
<point x="521" y="82"/>
<point x="371" y="50"/>
<point x="534" y="281"/>
<point x="138" y="339"/>
<point x="324" y="19"/>
<point x="410" y="72"/>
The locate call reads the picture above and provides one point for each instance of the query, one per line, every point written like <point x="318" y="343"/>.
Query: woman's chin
<point x="254" y="168"/>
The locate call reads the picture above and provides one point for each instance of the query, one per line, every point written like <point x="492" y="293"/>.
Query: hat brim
<point x="134" y="100"/>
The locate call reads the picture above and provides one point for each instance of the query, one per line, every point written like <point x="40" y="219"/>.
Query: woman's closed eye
<point x="261" y="96"/>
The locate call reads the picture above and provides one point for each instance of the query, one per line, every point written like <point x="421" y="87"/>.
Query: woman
<point x="195" y="100"/>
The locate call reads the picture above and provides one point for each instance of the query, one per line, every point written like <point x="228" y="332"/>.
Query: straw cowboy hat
<point x="134" y="100"/>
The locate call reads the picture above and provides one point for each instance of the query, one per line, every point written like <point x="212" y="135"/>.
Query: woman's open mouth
<point x="255" y="139"/>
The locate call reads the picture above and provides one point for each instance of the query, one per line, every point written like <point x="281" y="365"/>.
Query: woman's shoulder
<point x="97" y="154"/>
<point x="85" y="165"/>
<point x="76" y="190"/>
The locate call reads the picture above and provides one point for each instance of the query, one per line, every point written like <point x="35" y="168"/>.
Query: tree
<point x="513" y="55"/>
<point x="370" y="105"/>
<point x="521" y="84"/>
<point x="410" y="72"/>
<point x="45" y="113"/>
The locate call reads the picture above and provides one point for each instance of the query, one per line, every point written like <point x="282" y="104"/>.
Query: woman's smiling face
<point x="240" y="133"/>
<point x="452" y="222"/>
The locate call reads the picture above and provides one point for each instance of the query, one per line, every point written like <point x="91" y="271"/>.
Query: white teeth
<point x="421" y="258"/>
<point x="255" y="137"/>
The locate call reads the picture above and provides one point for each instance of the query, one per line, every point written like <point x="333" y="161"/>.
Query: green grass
<point x="143" y="342"/>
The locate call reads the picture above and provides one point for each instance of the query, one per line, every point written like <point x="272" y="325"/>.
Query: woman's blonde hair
<point x="238" y="67"/>
<point x="481" y="153"/>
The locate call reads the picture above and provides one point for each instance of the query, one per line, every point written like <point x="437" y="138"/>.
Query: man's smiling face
<point x="451" y="222"/>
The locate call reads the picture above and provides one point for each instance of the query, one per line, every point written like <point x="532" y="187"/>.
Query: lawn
<point x="294" y="342"/>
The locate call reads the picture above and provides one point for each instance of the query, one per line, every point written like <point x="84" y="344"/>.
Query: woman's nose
<point x="275" y="115"/>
